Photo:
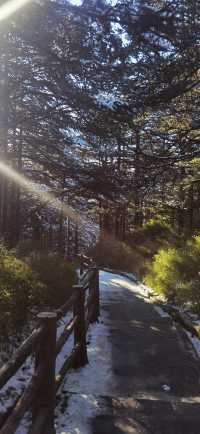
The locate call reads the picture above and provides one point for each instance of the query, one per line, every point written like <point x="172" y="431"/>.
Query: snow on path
<point x="15" y="386"/>
<point x="195" y="342"/>
<point x="84" y="385"/>
<point x="79" y="381"/>
<point x="82" y="396"/>
<point x="161" y="312"/>
<point x="85" y="390"/>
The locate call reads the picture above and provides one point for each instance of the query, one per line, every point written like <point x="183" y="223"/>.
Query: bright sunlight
<point x="11" y="7"/>
<point x="46" y="197"/>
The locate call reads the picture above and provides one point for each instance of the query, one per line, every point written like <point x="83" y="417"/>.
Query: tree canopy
<point x="100" y="105"/>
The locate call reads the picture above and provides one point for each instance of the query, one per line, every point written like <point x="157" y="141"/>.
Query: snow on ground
<point x="195" y="342"/>
<point x="80" y="397"/>
<point x="161" y="312"/>
<point x="15" y="386"/>
<point x="67" y="348"/>
<point x="70" y="410"/>
<point x="81" y="386"/>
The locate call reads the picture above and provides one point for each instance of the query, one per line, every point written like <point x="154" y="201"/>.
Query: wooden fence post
<point x="46" y="358"/>
<point x="94" y="290"/>
<point x="79" y="329"/>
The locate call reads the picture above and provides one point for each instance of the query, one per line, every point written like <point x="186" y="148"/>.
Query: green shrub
<point x="20" y="289"/>
<point x="175" y="273"/>
<point x="157" y="227"/>
<point x="44" y="282"/>
<point x="57" y="274"/>
<point x="155" y="234"/>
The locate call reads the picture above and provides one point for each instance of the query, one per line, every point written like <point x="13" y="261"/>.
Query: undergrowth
<point x="27" y="286"/>
<point x="175" y="273"/>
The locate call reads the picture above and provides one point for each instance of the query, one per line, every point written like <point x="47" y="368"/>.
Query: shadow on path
<point x="155" y="370"/>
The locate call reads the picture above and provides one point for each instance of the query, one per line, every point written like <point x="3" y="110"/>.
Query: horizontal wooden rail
<point x="26" y="349"/>
<point x="65" y="334"/>
<point x="23" y="403"/>
<point x="40" y="392"/>
<point x="67" y="306"/>
<point x="68" y="363"/>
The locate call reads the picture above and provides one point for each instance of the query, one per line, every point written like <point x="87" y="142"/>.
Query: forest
<point x="99" y="147"/>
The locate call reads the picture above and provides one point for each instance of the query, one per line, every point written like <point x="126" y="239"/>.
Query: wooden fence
<point x="39" y="395"/>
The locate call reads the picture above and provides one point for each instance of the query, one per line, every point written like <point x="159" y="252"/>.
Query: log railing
<point x="39" y="395"/>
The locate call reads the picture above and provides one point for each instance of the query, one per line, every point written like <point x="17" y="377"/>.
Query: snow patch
<point x="161" y="312"/>
<point x="195" y="342"/>
<point x="166" y="388"/>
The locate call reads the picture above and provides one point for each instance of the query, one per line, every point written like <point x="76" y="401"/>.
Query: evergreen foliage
<point x="175" y="273"/>
<point x="27" y="288"/>
<point x="20" y="291"/>
<point x="100" y="102"/>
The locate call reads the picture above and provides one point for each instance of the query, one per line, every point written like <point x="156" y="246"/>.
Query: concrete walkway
<point x="143" y="374"/>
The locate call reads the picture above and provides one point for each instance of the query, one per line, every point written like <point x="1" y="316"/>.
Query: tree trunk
<point x="4" y="147"/>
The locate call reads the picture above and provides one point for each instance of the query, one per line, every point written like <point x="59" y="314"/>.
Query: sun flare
<point x="45" y="197"/>
<point x="10" y="7"/>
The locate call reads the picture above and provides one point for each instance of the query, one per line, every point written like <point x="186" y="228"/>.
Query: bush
<point x="175" y="273"/>
<point x="45" y="282"/>
<point x="155" y="234"/>
<point x="157" y="227"/>
<point x="57" y="274"/>
<point x="20" y="290"/>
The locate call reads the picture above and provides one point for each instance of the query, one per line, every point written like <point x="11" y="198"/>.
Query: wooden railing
<point x="39" y="395"/>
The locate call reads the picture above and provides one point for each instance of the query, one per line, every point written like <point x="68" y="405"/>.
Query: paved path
<point x="143" y="375"/>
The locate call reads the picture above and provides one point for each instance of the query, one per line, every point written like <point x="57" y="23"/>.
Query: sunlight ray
<point x="45" y="197"/>
<point x="10" y="7"/>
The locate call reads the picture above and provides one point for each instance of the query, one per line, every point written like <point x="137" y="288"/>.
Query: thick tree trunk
<point x="137" y="218"/>
<point x="61" y="236"/>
